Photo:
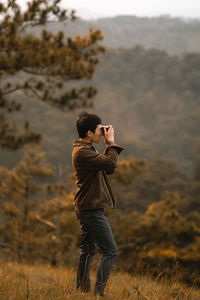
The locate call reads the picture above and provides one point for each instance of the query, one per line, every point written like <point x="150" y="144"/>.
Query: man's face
<point x="96" y="136"/>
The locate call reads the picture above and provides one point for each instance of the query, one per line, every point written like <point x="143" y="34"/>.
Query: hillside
<point x="45" y="282"/>
<point x="150" y="97"/>
<point x="156" y="94"/>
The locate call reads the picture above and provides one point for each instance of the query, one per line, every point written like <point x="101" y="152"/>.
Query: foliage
<point x="40" y="66"/>
<point x="21" y="194"/>
<point x="156" y="224"/>
<point x="161" y="239"/>
<point x="150" y="185"/>
<point x="36" y="213"/>
<point x="128" y="170"/>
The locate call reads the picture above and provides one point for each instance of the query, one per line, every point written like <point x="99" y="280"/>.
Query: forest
<point x="155" y="94"/>
<point x="150" y="95"/>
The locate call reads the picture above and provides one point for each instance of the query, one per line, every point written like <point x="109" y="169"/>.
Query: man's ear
<point x="89" y="133"/>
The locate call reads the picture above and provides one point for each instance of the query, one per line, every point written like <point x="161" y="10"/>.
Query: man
<point x="92" y="196"/>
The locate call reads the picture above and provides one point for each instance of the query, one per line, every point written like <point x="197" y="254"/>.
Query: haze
<point x="103" y="8"/>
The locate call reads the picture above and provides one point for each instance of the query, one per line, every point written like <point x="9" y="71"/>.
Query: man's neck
<point x="86" y="140"/>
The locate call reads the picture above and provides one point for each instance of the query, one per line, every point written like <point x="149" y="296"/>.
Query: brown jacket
<point x="90" y="169"/>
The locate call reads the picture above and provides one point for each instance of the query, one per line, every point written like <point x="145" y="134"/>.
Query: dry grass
<point x="25" y="282"/>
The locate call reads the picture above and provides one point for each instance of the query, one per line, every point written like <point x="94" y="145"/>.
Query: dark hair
<point x="85" y="122"/>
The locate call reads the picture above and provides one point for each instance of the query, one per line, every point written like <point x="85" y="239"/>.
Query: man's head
<point x="89" y="127"/>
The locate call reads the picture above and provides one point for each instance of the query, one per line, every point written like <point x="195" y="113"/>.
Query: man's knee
<point x="112" y="252"/>
<point x="88" y="250"/>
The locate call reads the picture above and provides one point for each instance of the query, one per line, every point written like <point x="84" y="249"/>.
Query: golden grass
<point x="26" y="282"/>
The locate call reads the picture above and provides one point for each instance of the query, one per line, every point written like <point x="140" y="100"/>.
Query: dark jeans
<point x="95" y="229"/>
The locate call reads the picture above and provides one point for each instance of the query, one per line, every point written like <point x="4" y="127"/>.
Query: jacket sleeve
<point x="88" y="159"/>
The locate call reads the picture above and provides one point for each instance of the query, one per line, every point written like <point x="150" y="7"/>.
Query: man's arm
<point x="86" y="158"/>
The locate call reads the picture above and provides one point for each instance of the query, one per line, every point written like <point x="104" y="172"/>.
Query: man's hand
<point x="109" y="135"/>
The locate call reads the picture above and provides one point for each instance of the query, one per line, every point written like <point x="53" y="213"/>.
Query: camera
<point x="104" y="126"/>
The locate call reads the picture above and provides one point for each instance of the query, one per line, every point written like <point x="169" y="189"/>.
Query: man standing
<point x="92" y="196"/>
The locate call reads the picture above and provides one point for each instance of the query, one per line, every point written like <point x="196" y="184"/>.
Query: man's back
<point x="90" y="169"/>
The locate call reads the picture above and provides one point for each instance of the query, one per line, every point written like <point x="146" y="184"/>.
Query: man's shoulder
<point x="81" y="149"/>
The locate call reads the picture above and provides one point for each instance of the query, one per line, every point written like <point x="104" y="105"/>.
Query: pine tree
<point x="57" y="216"/>
<point x="37" y="216"/>
<point x="40" y="67"/>
<point x="128" y="169"/>
<point x="23" y="192"/>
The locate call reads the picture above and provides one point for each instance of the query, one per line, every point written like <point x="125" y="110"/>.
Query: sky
<point x="89" y="9"/>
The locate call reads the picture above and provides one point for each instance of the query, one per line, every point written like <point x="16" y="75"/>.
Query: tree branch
<point x="32" y="72"/>
<point x="45" y="222"/>
<point x="13" y="90"/>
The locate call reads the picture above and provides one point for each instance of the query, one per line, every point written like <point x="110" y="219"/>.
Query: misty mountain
<point x="174" y="35"/>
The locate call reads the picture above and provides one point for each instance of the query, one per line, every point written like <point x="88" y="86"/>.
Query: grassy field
<point x="19" y="282"/>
